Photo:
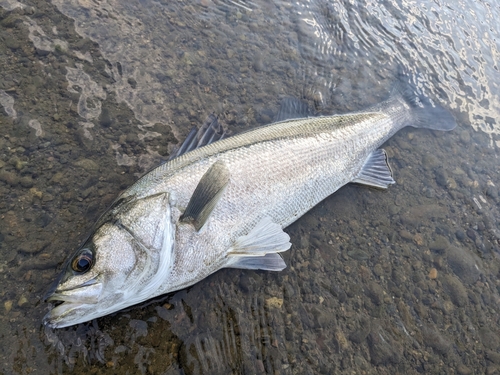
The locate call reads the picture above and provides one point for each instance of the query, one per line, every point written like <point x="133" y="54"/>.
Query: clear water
<point x="93" y="94"/>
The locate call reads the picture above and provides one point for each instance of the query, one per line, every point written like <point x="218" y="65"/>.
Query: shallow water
<point x="404" y="280"/>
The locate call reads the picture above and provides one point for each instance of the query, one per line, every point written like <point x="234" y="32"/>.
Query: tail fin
<point x="426" y="113"/>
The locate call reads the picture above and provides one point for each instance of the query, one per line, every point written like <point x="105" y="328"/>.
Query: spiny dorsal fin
<point x="211" y="131"/>
<point x="206" y="195"/>
<point x="292" y="108"/>
<point x="376" y="171"/>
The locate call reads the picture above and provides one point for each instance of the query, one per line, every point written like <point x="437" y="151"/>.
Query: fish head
<point x="123" y="262"/>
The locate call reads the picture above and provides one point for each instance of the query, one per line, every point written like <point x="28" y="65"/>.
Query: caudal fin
<point x="426" y="113"/>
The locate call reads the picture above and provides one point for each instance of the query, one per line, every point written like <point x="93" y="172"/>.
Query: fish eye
<point x="83" y="261"/>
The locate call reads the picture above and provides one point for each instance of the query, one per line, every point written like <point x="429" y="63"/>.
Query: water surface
<point x="93" y="94"/>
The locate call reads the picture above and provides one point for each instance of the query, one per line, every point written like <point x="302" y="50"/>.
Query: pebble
<point x="439" y="244"/>
<point x="452" y="184"/>
<point x="259" y="365"/>
<point x="87" y="164"/>
<point x="360" y="335"/>
<point x="383" y="349"/>
<point x="471" y="234"/>
<point x="463" y="370"/>
<point x="481" y="226"/>
<point x="140" y="327"/>
<point x="442" y="177"/>
<point x="7" y="305"/>
<point x="9" y="178"/>
<point x="36" y="193"/>
<point x="430" y="162"/>
<point x="43" y="220"/>
<point x="57" y="177"/>
<point x="418" y="239"/>
<point x="460" y="234"/>
<point x="375" y="292"/>
<point x="435" y="340"/>
<point x="489" y="338"/>
<point x="394" y="210"/>
<point x="465" y="137"/>
<point x="258" y="64"/>
<point x="304" y="242"/>
<point x="492" y="192"/>
<point x="455" y="290"/>
<point x="433" y="273"/>
<point x="47" y="197"/>
<point x="341" y="340"/>
<point x="406" y="235"/>
<point x="23" y="301"/>
<point x="32" y="247"/>
<point x="12" y="43"/>
<point x="448" y="307"/>
<point x="162" y="312"/>
<point x="493" y="357"/>
<point x="463" y="264"/>
<point x="418" y="214"/>
<point x="26" y="182"/>
<point x="39" y="263"/>
<point x="378" y="270"/>
<point x="19" y="164"/>
<point x="358" y="254"/>
<point x="274" y="302"/>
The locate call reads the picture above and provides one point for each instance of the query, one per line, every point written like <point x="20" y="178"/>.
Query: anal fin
<point x="268" y="262"/>
<point x="376" y="171"/>
<point x="260" y="247"/>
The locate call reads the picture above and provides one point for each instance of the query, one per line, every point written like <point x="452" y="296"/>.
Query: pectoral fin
<point x="206" y="195"/>
<point x="376" y="171"/>
<point x="260" y="247"/>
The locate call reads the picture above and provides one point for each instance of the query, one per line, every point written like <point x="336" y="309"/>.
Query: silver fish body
<point x="225" y="205"/>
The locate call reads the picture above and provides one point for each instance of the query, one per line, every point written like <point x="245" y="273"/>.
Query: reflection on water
<point x="93" y="94"/>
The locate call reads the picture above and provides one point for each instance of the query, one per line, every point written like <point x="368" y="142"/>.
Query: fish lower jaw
<point x="55" y="317"/>
<point x="66" y="313"/>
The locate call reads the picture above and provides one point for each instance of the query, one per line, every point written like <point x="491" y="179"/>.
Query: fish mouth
<point x="67" y="307"/>
<point x="83" y="293"/>
<point x="61" y="314"/>
<point x="72" y="304"/>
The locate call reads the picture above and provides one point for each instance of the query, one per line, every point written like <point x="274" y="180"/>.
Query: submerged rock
<point x="463" y="264"/>
<point x="433" y="338"/>
<point x="383" y="348"/>
<point x="455" y="289"/>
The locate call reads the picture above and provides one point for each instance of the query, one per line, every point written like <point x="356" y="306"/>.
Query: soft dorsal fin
<point x="376" y="171"/>
<point x="206" y="195"/>
<point x="292" y="108"/>
<point x="209" y="132"/>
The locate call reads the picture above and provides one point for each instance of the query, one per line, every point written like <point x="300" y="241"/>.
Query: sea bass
<point x="225" y="204"/>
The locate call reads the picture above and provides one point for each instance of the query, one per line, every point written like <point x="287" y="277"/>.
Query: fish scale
<point x="294" y="165"/>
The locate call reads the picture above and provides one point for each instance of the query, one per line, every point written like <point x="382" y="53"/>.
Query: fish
<point x="223" y="202"/>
